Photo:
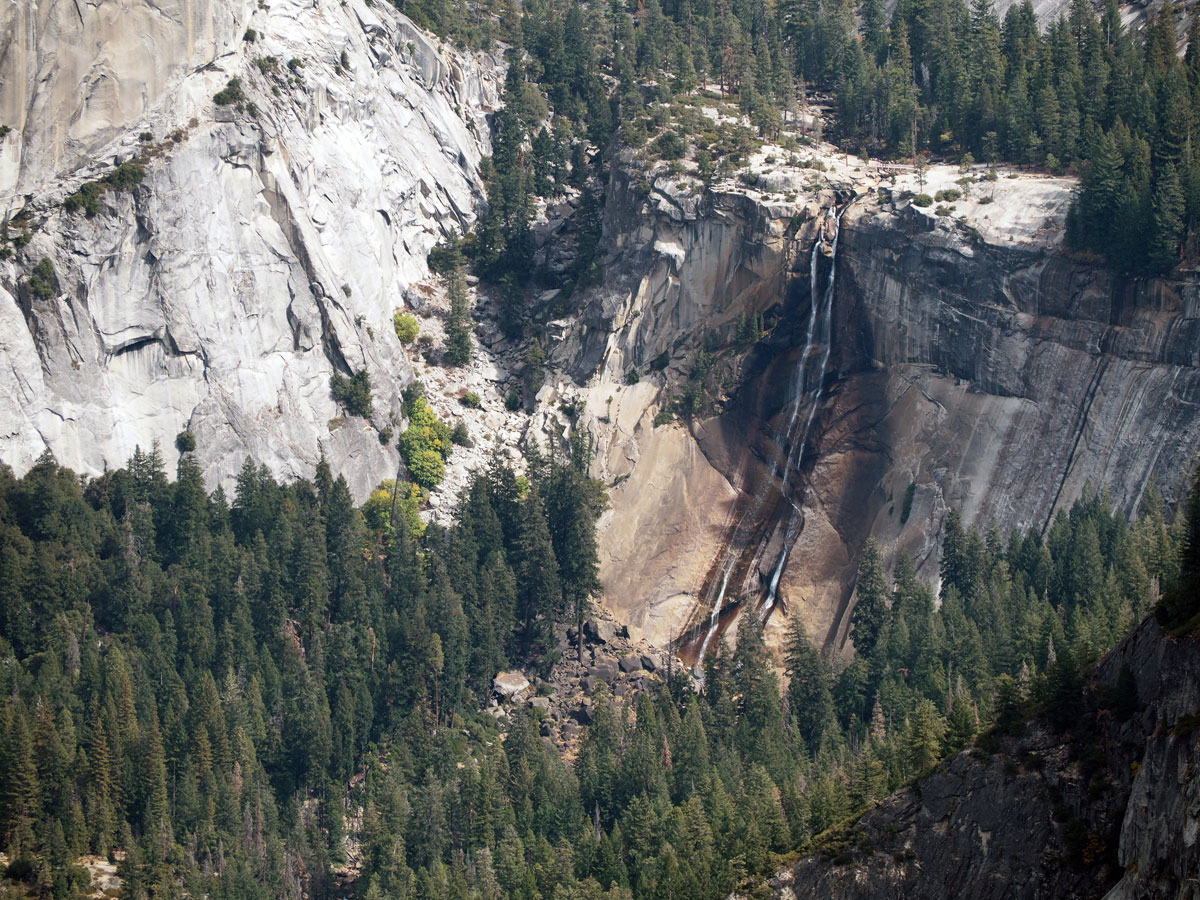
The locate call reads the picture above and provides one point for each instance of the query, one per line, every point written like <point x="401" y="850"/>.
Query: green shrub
<point x="406" y="327"/>
<point x="670" y="145"/>
<point x="405" y="499"/>
<point x="267" y="64"/>
<point x="410" y="395"/>
<point x="145" y="137"/>
<point x="230" y="94"/>
<point x="124" y="177"/>
<point x="250" y="36"/>
<point x="43" y="283"/>
<point x="353" y="393"/>
<point x="471" y="400"/>
<point x="444" y="257"/>
<point x="512" y="401"/>
<point x="923" y="200"/>
<point x="949" y="195"/>
<point x="425" y="444"/>
<point x="664" y="416"/>
<point x="632" y="377"/>
<point x="460" y="436"/>
<point x="185" y="441"/>
<point x="426" y="467"/>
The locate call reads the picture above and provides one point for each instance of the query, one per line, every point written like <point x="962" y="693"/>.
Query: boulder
<point x="649" y="664"/>
<point x="508" y="685"/>
<point x="541" y="703"/>
<point x="599" y="632"/>
<point x="583" y="714"/>
<point x="631" y="664"/>
<point x="605" y="670"/>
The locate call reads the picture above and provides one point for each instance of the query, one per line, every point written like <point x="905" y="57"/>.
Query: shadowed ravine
<point x="768" y="518"/>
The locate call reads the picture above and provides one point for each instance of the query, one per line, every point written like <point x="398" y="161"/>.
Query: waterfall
<point x="714" y="618"/>
<point x="814" y="395"/>
<point x="792" y="440"/>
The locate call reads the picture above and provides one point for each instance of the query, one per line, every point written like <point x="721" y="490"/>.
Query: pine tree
<point x="873" y="14"/>
<point x="20" y="787"/>
<point x="923" y="741"/>
<point x="458" y="323"/>
<point x="539" y="591"/>
<point x="757" y="688"/>
<point x="810" y="700"/>
<point x="156" y="819"/>
<point x="1166" y="220"/>
<point x="871" y="613"/>
<point x="101" y="789"/>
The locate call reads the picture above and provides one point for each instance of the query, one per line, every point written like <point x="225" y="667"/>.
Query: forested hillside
<point x="280" y="694"/>
<point x="244" y="697"/>
<point x="1084" y="94"/>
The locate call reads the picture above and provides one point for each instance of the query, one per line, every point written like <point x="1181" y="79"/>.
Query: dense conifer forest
<point x="278" y="694"/>
<point x="244" y="697"/>
<point x="944" y="79"/>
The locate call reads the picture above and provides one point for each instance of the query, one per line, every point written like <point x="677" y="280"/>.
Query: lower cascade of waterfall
<point x="749" y="538"/>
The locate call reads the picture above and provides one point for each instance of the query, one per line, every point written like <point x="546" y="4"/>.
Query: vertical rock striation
<point x="266" y="247"/>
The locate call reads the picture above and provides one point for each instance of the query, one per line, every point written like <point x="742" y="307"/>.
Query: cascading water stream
<point x="791" y="439"/>
<point x="794" y="517"/>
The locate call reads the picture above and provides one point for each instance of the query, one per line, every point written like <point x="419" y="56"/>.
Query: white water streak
<point x="819" y="330"/>
<point x="794" y="518"/>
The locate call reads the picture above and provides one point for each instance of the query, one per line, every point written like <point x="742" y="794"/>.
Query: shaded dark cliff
<point x="1110" y="808"/>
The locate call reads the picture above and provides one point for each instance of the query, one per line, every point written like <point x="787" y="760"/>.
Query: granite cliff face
<point x="264" y="251"/>
<point x="271" y="240"/>
<point x="684" y="267"/>
<point x="971" y="360"/>
<point x="1045" y="815"/>
<point x="1000" y="379"/>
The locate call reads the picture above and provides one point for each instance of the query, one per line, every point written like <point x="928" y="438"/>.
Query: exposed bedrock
<point x="983" y="367"/>
<point x="267" y="246"/>
<point x="682" y="264"/>
<point x="997" y="381"/>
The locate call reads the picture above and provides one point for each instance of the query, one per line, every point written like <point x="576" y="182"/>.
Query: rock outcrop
<point x="999" y="378"/>
<point x="974" y="365"/>
<point x="267" y="246"/>
<point x="685" y="264"/>
<point x="1045" y="815"/>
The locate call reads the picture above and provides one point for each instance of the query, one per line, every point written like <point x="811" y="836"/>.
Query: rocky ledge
<point x="1043" y="814"/>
